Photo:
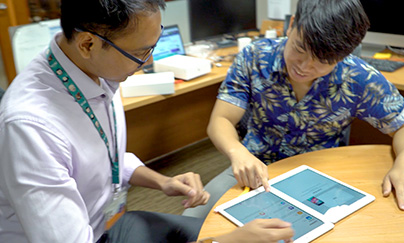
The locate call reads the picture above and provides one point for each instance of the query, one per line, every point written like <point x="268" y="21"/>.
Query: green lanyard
<point x="82" y="101"/>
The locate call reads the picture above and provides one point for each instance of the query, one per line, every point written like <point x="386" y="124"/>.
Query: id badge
<point x="116" y="208"/>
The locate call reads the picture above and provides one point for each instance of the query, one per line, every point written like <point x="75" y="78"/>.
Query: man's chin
<point x="120" y="80"/>
<point x="123" y="79"/>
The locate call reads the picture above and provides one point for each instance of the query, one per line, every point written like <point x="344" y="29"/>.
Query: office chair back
<point x="1" y="93"/>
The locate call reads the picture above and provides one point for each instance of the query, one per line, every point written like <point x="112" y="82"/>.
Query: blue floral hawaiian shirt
<point x="278" y="126"/>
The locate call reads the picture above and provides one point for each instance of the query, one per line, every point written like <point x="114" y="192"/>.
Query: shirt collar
<point x="87" y="86"/>
<point x="277" y="64"/>
<point x="280" y="59"/>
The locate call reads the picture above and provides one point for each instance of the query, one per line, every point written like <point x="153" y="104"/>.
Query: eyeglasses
<point x="142" y="61"/>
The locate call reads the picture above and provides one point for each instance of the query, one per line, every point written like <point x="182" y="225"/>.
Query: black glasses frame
<point x="141" y="62"/>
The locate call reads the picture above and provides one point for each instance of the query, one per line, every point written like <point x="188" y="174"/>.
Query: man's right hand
<point x="248" y="170"/>
<point x="260" y="230"/>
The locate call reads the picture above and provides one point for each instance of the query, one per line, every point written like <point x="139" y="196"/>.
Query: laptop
<point x="169" y="44"/>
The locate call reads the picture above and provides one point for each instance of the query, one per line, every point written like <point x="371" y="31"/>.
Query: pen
<point x="246" y="189"/>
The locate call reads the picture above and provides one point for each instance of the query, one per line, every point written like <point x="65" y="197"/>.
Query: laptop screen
<point x="170" y="43"/>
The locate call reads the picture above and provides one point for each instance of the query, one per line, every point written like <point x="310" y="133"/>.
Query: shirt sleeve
<point x="35" y="178"/>
<point x="131" y="163"/>
<point x="235" y="89"/>
<point x="382" y="105"/>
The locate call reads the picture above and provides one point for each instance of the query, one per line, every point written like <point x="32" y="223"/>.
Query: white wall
<point x="277" y="9"/>
<point x="176" y="12"/>
<point x="262" y="11"/>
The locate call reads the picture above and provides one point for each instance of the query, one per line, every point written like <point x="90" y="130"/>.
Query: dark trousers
<point x="141" y="226"/>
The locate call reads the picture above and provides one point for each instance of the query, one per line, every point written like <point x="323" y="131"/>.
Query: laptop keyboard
<point x="383" y="64"/>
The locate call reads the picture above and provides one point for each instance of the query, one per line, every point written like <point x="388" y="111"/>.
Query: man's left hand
<point x="395" y="178"/>
<point x="190" y="185"/>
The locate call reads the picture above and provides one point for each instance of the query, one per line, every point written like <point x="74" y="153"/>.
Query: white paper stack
<point x="148" y="84"/>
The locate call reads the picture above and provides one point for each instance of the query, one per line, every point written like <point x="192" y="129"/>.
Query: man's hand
<point x="248" y="170"/>
<point x="260" y="230"/>
<point x="395" y="178"/>
<point x="188" y="184"/>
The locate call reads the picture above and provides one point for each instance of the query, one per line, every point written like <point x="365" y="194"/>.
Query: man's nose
<point x="307" y="63"/>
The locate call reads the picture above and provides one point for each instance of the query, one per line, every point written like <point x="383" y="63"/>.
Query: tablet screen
<point x="317" y="191"/>
<point x="268" y="205"/>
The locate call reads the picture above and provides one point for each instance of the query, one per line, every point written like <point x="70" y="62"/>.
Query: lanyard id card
<point x="116" y="208"/>
<point x="76" y="93"/>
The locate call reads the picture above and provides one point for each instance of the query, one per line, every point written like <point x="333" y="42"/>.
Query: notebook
<point x="170" y="44"/>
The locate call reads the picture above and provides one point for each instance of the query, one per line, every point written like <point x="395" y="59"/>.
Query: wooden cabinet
<point x="12" y="13"/>
<point x="44" y="9"/>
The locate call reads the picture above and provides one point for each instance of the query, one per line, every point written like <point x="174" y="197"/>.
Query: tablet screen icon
<point x="315" y="200"/>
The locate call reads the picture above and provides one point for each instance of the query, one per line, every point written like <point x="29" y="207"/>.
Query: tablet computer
<point x="306" y="222"/>
<point x="330" y="197"/>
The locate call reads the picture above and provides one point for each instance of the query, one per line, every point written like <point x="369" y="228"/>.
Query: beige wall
<point x="262" y="13"/>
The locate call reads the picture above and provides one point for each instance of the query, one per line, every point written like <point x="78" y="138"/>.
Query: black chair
<point x="286" y="24"/>
<point x="1" y="93"/>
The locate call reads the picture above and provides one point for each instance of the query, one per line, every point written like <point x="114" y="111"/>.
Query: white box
<point x="184" y="67"/>
<point x="148" y="84"/>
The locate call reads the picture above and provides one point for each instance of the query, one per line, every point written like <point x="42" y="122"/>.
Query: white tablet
<point x="307" y="223"/>
<point x="330" y="197"/>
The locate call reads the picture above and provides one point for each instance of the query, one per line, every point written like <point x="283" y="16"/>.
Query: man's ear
<point x="85" y="43"/>
<point x="292" y="18"/>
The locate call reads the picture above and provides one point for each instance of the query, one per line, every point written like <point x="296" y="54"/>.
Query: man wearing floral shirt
<point x="300" y="95"/>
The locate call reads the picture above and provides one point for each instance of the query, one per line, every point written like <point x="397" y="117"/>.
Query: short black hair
<point x="105" y="17"/>
<point x="331" y="29"/>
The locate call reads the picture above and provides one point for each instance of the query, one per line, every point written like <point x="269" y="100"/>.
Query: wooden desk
<point x="396" y="77"/>
<point x="363" y="167"/>
<point x="160" y="124"/>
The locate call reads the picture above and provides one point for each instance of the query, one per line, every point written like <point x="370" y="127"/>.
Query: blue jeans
<point x="216" y="187"/>
<point x="141" y="226"/>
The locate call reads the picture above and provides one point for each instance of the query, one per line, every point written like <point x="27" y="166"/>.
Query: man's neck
<point x="301" y="89"/>
<point x="72" y="53"/>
